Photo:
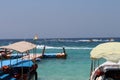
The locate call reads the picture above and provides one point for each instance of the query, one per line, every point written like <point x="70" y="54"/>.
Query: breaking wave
<point x="52" y="47"/>
<point x="83" y="40"/>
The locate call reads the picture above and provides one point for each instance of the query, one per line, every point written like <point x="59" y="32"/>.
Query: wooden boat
<point x="109" y="68"/>
<point x="62" y="55"/>
<point x="24" y="70"/>
<point x="19" y="69"/>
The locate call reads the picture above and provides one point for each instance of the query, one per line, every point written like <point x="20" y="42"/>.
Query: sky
<point x="59" y="18"/>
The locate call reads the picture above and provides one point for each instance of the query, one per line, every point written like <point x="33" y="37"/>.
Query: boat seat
<point x="3" y="76"/>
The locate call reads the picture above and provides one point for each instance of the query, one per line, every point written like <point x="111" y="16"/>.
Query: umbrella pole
<point x="98" y="62"/>
<point x="94" y="64"/>
<point x="91" y="67"/>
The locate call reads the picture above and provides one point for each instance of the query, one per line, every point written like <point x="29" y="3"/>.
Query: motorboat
<point x="105" y="61"/>
<point x="19" y="68"/>
<point x="60" y="55"/>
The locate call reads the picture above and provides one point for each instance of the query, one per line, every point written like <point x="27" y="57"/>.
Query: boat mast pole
<point x="43" y="51"/>
<point x="35" y="42"/>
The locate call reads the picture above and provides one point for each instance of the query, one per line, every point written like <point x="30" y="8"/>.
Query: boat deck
<point x="32" y="56"/>
<point x="45" y="55"/>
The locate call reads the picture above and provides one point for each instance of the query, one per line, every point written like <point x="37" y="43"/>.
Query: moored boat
<point x="19" y="69"/>
<point x="109" y="68"/>
<point x="61" y="55"/>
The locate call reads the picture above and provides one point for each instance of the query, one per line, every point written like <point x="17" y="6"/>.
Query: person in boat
<point x="5" y="53"/>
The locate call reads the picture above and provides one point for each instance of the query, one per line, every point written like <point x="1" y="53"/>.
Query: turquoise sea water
<point x="77" y="64"/>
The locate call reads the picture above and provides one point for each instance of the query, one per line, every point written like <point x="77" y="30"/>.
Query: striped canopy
<point x="21" y="46"/>
<point x="109" y="51"/>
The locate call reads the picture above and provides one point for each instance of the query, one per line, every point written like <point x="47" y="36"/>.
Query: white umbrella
<point x="21" y="46"/>
<point x="109" y="51"/>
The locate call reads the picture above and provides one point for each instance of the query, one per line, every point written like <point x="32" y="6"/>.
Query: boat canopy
<point x="109" y="51"/>
<point x="21" y="46"/>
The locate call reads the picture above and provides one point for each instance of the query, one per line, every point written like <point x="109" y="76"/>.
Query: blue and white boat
<point x="19" y="68"/>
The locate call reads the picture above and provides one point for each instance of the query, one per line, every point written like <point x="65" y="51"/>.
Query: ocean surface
<point x="77" y="64"/>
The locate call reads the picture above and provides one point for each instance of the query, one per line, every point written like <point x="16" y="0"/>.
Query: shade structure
<point x="21" y="46"/>
<point x="109" y="51"/>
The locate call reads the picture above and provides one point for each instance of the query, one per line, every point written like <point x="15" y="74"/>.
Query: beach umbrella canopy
<point x="109" y="51"/>
<point x="21" y="46"/>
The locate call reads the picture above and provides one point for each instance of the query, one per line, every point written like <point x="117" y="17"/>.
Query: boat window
<point x="112" y="74"/>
